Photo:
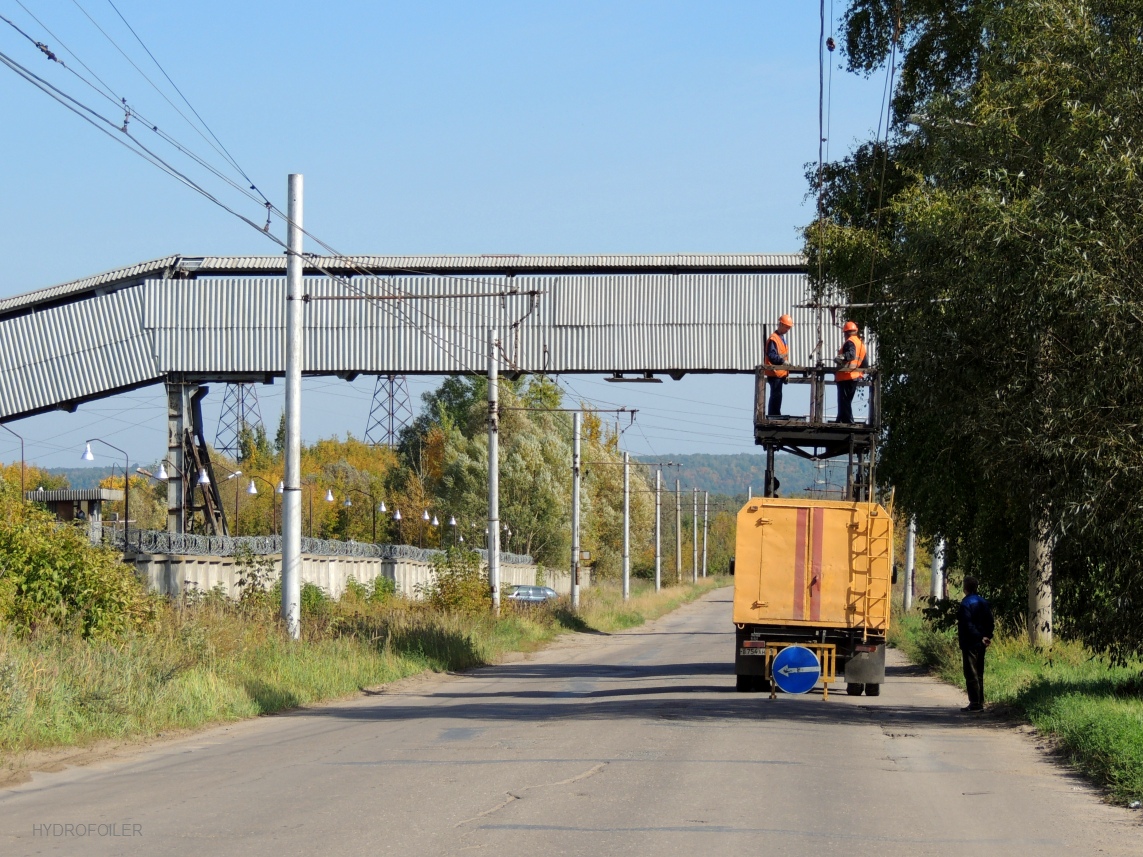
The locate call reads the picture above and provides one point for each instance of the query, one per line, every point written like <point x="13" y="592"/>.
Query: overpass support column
<point x="180" y="426"/>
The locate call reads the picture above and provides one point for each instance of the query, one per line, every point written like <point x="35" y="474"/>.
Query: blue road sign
<point x="796" y="669"/>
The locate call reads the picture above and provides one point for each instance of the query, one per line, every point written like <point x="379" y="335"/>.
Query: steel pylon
<point x="390" y="412"/>
<point x="239" y="409"/>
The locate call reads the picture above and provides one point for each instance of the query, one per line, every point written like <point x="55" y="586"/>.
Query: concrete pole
<point x="678" y="533"/>
<point x="658" y="529"/>
<point x="626" y="526"/>
<point x="694" y="535"/>
<point x="705" y="519"/>
<point x="493" y="472"/>
<point x="910" y="562"/>
<point x="575" y="512"/>
<point x="295" y="345"/>
<point x="1040" y="583"/>
<point x="937" y="584"/>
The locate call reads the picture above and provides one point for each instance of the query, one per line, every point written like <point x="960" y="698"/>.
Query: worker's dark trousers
<point x="846" y="390"/>
<point x="974" y="674"/>
<point x="775" y="407"/>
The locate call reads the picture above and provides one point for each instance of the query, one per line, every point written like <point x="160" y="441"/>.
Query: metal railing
<point x="193" y="544"/>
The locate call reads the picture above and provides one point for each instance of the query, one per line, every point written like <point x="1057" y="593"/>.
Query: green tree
<point x="1000" y="262"/>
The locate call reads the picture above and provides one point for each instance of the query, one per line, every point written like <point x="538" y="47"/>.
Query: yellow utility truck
<point x="815" y="573"/>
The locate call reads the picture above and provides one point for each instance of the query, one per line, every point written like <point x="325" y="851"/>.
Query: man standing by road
<point x="851" y="359"/>
<point x="776" y="351"/>
<point x="974" y="627"/>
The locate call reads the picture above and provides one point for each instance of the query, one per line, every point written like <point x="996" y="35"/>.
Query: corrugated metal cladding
<point x="494" y="262"/>
<point x="586" y="323"/>
<point x="73" y="352"/>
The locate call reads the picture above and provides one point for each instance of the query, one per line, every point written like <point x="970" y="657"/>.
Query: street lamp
<point x="424" y="520"/>
<point x="452" y="523"/>
<point x="87" y="456"/>
<point x="21" y="457"/>
<point x="234" y="474"/>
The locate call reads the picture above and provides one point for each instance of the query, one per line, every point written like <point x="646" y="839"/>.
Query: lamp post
<point x="397" y="521"/>
<point x="424" y="520"/>
<point x="233" y="474"/>
<point x="87" y="456"/>
<point x="253" y="491"/>
<point x="452" y="523"/>
<point x="22" y="489"/>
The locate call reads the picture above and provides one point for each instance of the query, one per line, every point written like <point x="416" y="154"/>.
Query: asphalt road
<point x="634" y="743"/>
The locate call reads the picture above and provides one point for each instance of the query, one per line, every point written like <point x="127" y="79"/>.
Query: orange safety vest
<point x="852" y="372"/>
<point x="782" y="352"/>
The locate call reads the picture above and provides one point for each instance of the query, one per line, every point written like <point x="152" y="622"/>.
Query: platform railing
<point x="818" y="378"/>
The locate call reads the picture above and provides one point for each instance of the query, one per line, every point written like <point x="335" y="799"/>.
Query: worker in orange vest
<point x="851" y="359"/>
<point x="776" y="351"/>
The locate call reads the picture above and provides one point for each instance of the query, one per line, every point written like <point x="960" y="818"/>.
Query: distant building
<point x="84" y="505"/>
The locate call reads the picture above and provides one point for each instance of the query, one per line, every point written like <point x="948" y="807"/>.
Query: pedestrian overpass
<point x="185" y="321"/>
<point x="222" y="318"/>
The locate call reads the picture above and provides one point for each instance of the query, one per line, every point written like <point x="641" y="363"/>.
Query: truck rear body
<point x="814" y="571"/>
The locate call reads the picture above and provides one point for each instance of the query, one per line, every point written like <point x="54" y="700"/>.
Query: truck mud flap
<point x="866" y="667"/>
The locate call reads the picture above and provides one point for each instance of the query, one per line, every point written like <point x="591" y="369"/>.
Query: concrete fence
<point x="172" y="574"/>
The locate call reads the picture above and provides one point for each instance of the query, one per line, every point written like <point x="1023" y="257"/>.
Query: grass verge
<point x="210" y="660"/>
<point x="1092" y="711"/>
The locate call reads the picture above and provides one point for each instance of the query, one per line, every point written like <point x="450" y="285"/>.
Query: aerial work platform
<point x="815" y="437"/>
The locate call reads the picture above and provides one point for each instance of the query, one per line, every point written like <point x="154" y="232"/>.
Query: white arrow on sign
<point x="788" y="670"/>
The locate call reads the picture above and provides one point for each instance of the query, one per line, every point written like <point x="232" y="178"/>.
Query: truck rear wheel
<point x="751" y="684"/>
<point x="872" y="690"/>
<point x="854" y="689"/>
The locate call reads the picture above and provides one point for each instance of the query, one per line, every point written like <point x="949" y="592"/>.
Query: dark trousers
<point x="774" y="408"/>
<point x="846" y="390"/>
<point x="974" y="674"/>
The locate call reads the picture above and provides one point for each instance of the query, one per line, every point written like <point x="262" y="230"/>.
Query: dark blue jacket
<point x="974" y="622"/>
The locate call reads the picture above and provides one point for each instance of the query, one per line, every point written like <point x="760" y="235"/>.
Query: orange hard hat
<point x="850" y="327"/>
<point x="786" y="320"/>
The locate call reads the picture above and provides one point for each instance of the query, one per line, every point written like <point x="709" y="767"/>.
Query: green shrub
<point x="315" y="601"/>
<point x="52" y="577"/>
<point x="458" y="584"/>
<point x="383" y="590"/>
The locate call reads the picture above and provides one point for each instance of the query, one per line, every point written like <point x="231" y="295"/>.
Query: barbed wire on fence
<point x="193" y="544"/>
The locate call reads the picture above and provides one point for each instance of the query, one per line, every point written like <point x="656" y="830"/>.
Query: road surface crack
<point x="519" y="795"/>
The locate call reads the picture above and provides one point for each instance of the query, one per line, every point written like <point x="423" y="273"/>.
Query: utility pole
<point x="658" y="528"/>
<point x="937" y="585"/>
<point x="292" y="491"/>
<point x="705" y="516"/>
<point x="678" y="533"/>
<point x="694" y="535"/>
<point x="575" y="512"/>
<point x="493" y="474"/>
<point x="910" y="562"/>
<point x="626" y="526"/>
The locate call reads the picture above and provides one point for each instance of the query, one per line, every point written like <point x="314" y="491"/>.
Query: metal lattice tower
<point x="239" y="409"/>
<point x="391" y="410"/>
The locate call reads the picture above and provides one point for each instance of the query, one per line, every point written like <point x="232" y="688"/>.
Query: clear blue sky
<point x="430" y="127"/>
